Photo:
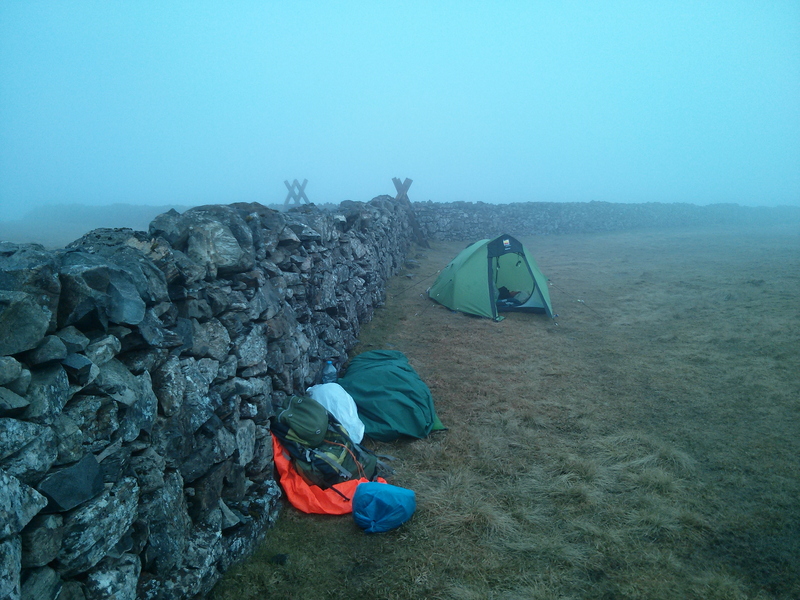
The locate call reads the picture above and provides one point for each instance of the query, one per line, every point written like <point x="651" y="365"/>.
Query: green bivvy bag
<point x="391" y="398"/>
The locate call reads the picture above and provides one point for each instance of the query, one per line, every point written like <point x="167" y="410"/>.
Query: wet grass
<point x="643" y="444"/>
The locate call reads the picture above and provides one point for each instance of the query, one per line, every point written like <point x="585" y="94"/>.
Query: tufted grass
<point x="641" y="445"/>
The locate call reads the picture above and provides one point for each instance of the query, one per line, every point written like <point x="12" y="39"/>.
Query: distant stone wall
<point x="137" y="375"/>
<point x="469" y="221"/>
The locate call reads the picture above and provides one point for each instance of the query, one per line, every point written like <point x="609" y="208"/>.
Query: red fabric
<point x="311" y="498"/>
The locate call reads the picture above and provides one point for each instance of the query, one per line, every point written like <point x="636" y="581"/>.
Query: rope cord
<point x="574" y="297"/>
<point x="403" y="291"/>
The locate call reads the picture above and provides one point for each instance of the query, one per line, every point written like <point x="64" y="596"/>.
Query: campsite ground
<point x="643" y="444"/>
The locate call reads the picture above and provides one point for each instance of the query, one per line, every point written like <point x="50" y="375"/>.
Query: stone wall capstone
<point x="138" y="373"/>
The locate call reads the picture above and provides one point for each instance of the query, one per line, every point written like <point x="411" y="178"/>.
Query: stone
<point x="168" y="519"/>
<point x="115" y="461"/>
<point x="73" y="339"/>
<point x="96" y="291"/>
<point x="209" y="368"/>
<point x="156" y="334"/>
<point x="210" y="339"/>
<point x="245" y="441"/>
<point x="116" y="381"/>
<point x="72" y="590"/>
<point x="207" y="492"/>
<point x="102" y="350"/>
<point x="51" y="348"/>
<point x="260" y="467"/>
<point x="96" y="527"/>
<point x="20" y="504"/>
<point x="15" y="434"/>
<point x="96" y="417"/>
<point x="21" y="384"/>
<point x="23" y="322"/>
<point x="227" y="368"/>
<point x="265" y="303"/>
<point x="135" y="392"/>
<point x="69" y="438"/>
<point x="80" y="370"/>
<point x="114" y="578"/>
<point x="10" y="559"/>
<point x="11" y="404"/>
<point x="198" y="404"/>
<point x="132" y="251"/>
<point x="213" y="443"/>
<point x="31" y="269"/>
<point x="252" y="347"/>
<point x="71" y="486"/>
<point x="229" y="518"/>
<point x="169" y="385"/>
<point x="41" y="540"/>
<point x="42" y="583"/>
<point x="149" y="470"/>
<point x="139" y="361"/>
<point x="31" y="462"/>
<point x="140" y="416"/>
<point x="48" y="393"/>
<point x="10" y="369"/>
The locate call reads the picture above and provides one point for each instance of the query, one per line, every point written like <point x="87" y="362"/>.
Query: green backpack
<point x="320" y="448"/>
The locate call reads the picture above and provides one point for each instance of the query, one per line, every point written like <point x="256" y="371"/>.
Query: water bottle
<point x="329" y="373"/>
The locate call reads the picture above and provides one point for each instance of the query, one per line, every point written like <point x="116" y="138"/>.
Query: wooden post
<point x="402" y="188"/>
<point x="296" y="192"/>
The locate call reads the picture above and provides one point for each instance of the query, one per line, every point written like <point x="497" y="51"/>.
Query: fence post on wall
<point x="402" y="188"/>
<point x="296" y="193"/>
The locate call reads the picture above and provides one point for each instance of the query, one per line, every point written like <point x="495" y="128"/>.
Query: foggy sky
<point x="212" y="102"/>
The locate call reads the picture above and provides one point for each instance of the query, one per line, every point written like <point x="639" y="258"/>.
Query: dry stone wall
<point x="138" y="372"/>
<point x="470" y="221"/>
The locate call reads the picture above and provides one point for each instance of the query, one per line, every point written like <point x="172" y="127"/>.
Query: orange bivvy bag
<point x="308" y="498"/>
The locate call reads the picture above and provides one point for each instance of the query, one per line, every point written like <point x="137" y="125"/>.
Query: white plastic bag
<point x="341" y="405"/>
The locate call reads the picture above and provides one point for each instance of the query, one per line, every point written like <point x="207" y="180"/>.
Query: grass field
<point x="643" y="444"/>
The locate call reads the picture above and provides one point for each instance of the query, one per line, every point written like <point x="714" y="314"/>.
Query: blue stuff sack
<point x="379" y="507"/>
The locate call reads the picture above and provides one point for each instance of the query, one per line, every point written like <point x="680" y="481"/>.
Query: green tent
<point x="492" y="276"/>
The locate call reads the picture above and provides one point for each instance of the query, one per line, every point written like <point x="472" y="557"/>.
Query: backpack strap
<point x="332" y="463"/>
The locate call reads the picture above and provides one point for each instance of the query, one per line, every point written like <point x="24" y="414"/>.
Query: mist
<point x="209" y="102"/>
